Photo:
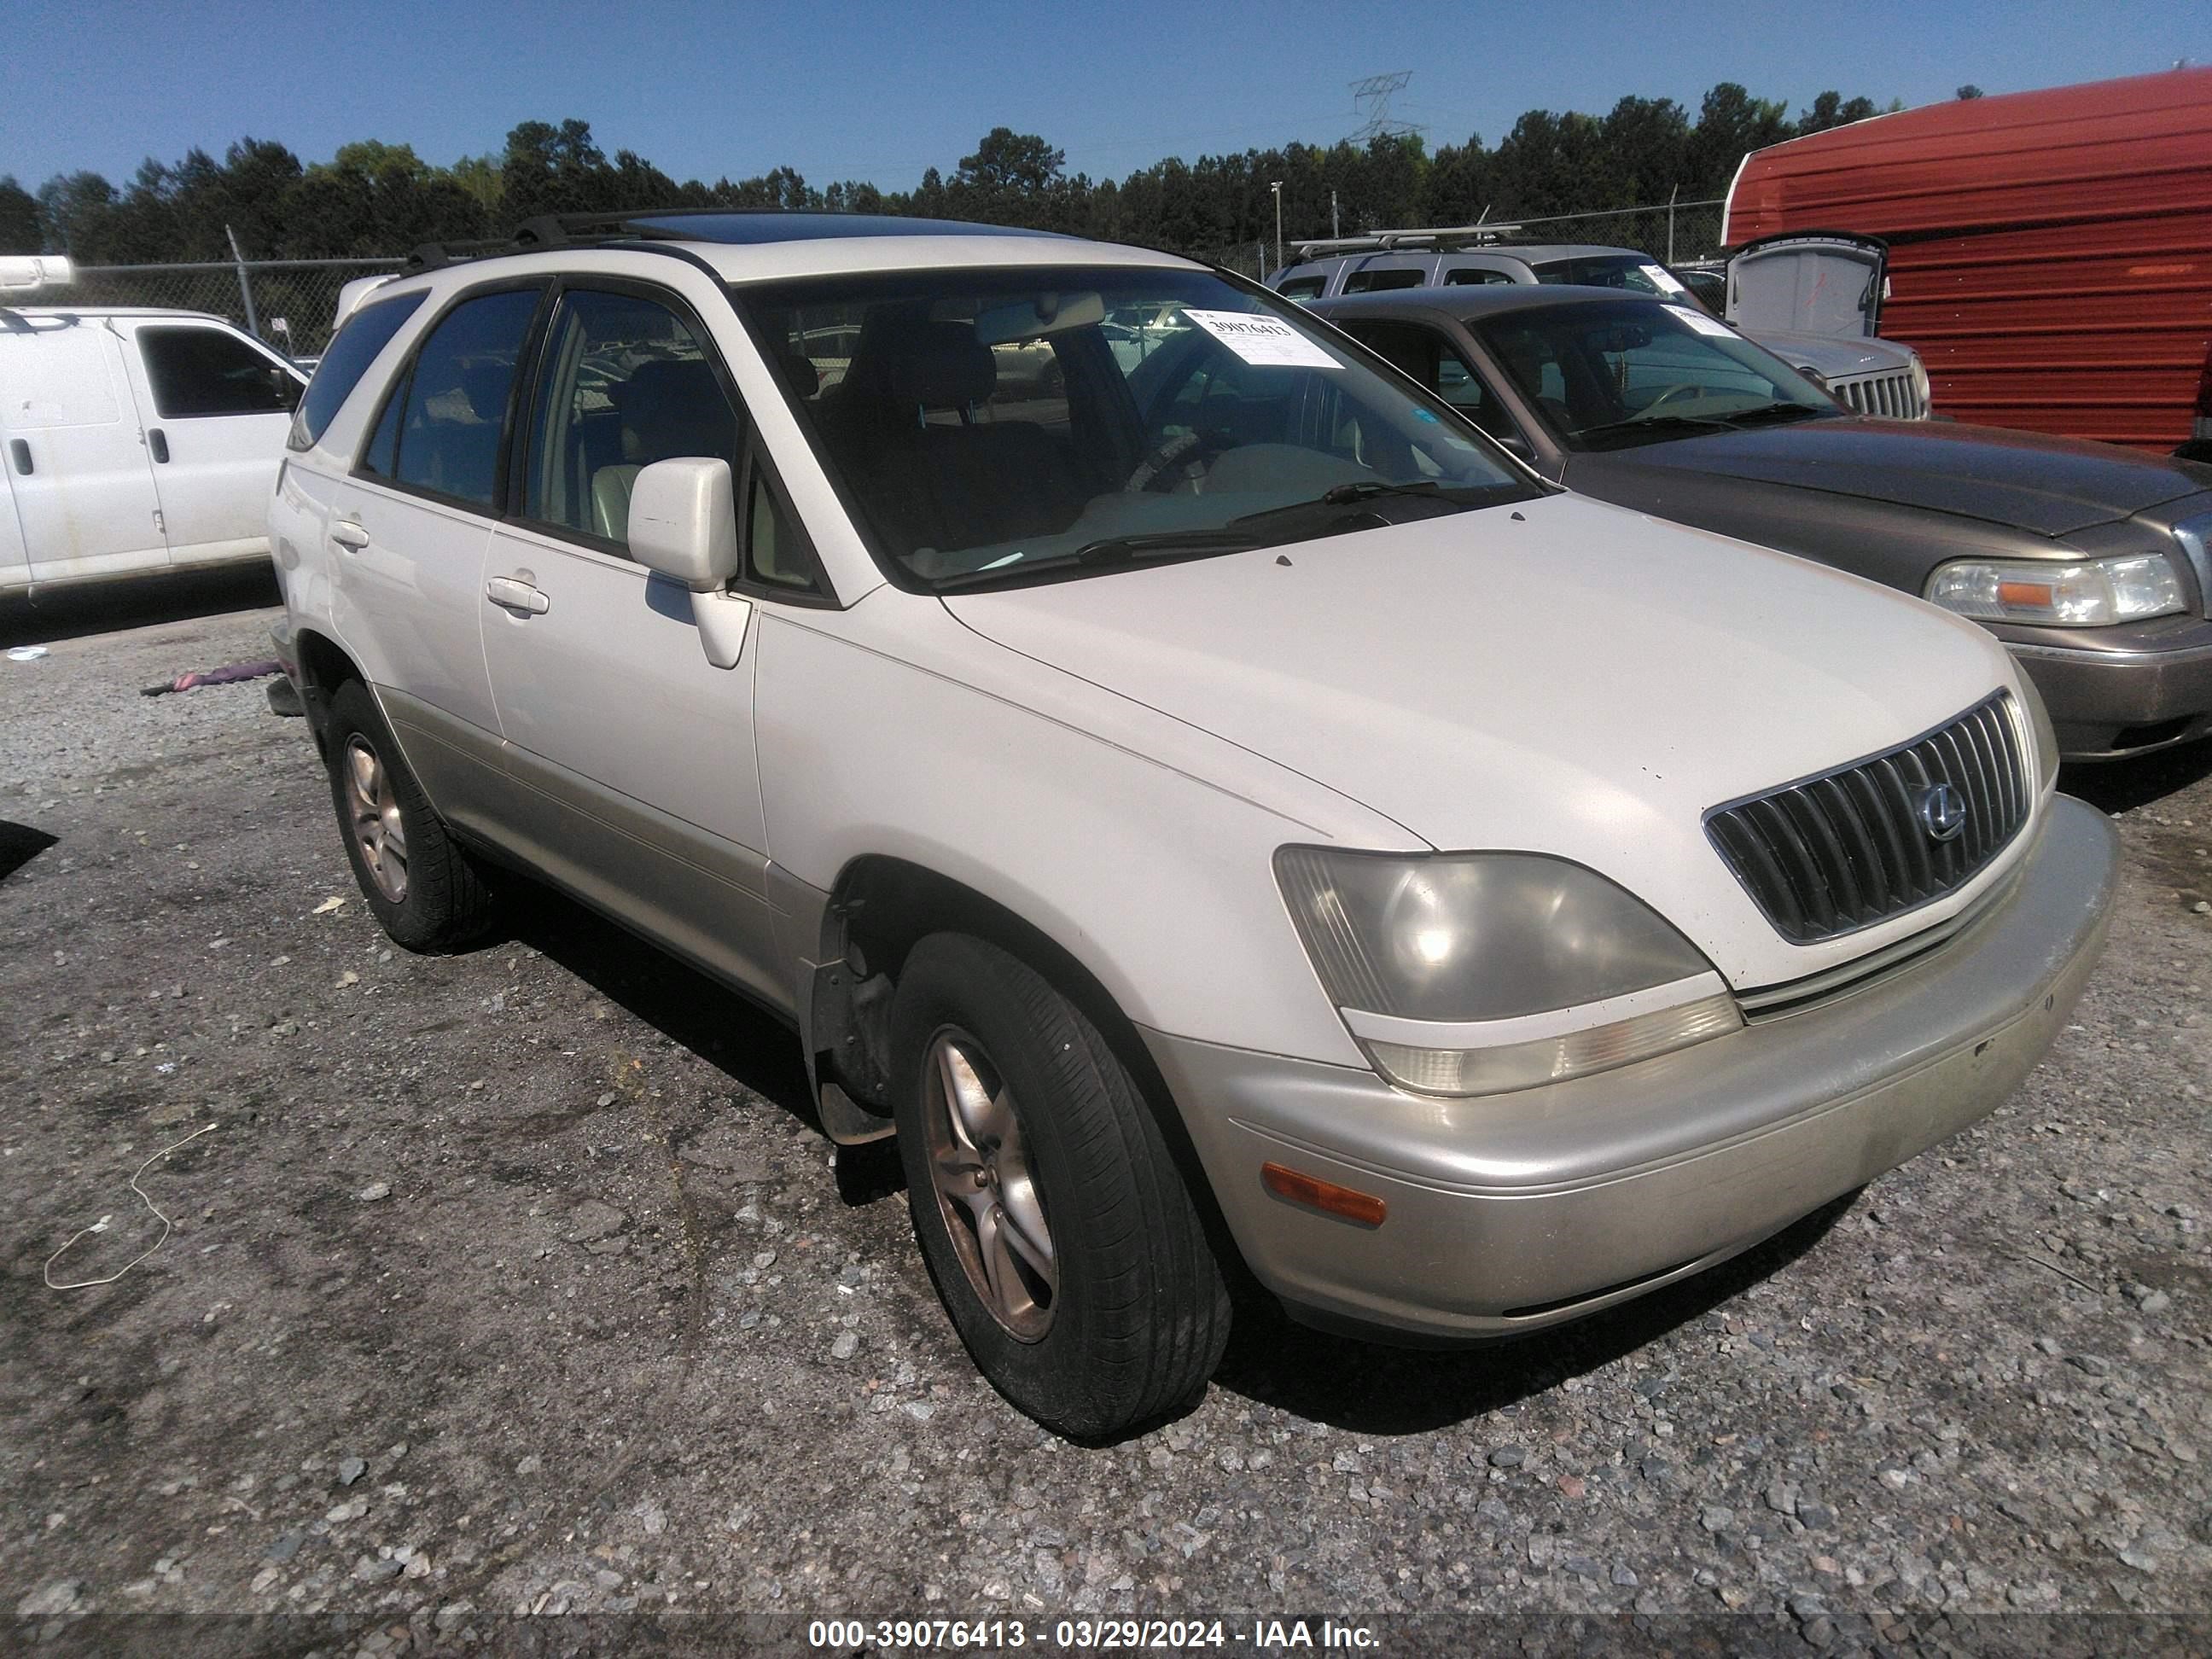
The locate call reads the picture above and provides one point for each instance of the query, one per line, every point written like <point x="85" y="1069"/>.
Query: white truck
<point x="132" y="441"/>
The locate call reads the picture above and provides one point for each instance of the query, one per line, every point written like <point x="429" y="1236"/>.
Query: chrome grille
<point x="1846" y="849"/>
<point x="1890" y="396"/>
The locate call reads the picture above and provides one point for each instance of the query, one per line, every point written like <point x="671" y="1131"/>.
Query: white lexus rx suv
<point x="1208" y="803"/>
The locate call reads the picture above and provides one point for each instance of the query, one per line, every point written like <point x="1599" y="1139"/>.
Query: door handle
<point x="19" y="452"/>
<point x="510" y="594"/>
<point x="349" y="535"/>
<point x="158" y="441"/>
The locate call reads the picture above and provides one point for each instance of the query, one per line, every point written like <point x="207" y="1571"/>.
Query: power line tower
<point x="1371" y="98"/>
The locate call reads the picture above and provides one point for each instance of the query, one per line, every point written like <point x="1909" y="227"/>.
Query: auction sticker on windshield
<point x="1703" y="324"/>
<point x="1262" y="340"/>
<point x="1662" y="279"/>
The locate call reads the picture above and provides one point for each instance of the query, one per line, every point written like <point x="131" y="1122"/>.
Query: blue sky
<point x="880" y="91"/>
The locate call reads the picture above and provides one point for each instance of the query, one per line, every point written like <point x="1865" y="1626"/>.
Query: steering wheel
<point x="1681" y="389"/>
<point x="1175" y="460"/>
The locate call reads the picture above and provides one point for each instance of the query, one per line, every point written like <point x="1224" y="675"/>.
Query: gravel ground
<point x="520" y="1280"/>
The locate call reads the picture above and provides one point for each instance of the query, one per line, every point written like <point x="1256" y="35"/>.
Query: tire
<point x="419" y="884"/>
<point x="1131" y="1319"/>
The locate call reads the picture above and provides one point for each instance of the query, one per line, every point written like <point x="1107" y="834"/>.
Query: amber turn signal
<point x="1326" y="1196"/>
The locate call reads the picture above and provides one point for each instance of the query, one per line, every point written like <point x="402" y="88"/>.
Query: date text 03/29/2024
<point x="1091" y="1635"/>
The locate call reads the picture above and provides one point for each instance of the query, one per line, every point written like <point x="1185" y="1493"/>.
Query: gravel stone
<point x="592" y="1220"/>
<point x="628" y="1244"/>
<point x="1507" y="1457"/>
<point x="350" y="1469"/>
<point x="58" y="1597"/>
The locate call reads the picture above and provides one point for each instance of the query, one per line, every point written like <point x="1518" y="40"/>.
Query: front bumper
<point x="1514" y="1212"/>
<point x="2115" y="692"/>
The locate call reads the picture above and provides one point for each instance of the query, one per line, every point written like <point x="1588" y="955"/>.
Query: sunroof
<point x="747" y="227"/>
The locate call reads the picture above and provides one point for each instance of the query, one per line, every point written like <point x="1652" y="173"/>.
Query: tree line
<point x="376" y="199"/>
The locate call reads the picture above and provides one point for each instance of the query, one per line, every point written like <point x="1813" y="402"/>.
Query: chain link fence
<point x="1676" y="233"/>
<point x="290" y="303"/>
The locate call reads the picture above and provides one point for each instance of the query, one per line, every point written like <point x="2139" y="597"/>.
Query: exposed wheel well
<point x="882" y="908"/>
<point x="323" y="667"/>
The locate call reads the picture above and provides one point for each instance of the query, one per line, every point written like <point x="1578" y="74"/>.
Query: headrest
<point x="688" y="382"/>
<point x="674" y="406"/>
<point x="937" y="365"/>
<point x="805" y="379"/>
<point x="484" y="384"/>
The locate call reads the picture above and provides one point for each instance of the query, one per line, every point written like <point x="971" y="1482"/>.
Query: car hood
<point x="1563" y="677"/>
<point x="1835" y="356"/>
<point x="2047" y="486"/>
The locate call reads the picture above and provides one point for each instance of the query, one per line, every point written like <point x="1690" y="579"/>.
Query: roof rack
<point x="1386" y="241"/>
<point x="547" y="230"/>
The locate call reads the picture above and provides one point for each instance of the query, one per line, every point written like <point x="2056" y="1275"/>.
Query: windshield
<point x="1634" y="370"/>
<point x="995" y="426"/>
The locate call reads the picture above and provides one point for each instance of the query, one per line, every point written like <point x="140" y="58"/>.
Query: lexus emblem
<point x="1942" y="811"/>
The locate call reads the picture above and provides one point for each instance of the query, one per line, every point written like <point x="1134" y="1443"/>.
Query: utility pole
<point x="1277" y="186"/>
<point x="1333" y="230"/>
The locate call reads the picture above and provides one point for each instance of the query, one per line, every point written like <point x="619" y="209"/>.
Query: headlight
<point x="1476" y="973"/>
<point x="1922" y="398"/>
<point x="2091" y="594"/>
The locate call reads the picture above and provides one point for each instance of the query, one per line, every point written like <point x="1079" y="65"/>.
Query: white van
<point x="134" y="440"/>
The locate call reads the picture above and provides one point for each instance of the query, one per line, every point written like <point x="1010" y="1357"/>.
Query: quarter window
<point x="204" y="371"/>
<point x="365" y="333"/>
<point x="453" y="407"/>
<point x="625" y="382"/>
<point x="777" y="552"/>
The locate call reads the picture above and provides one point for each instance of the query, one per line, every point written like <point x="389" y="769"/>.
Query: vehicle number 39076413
<point x="1089" y="1635"/>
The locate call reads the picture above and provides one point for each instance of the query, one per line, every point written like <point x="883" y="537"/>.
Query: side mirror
<point x="683" y="522"/>
<point x="285" y="385"/>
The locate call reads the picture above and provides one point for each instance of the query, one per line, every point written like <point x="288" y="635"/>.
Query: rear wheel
<point x="421" y="887"/>
<point x="1053" y="1219"/>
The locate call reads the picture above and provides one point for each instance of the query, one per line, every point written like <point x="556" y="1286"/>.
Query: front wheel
<point x="1053" y="1219"/>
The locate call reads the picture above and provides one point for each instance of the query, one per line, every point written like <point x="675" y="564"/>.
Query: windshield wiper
<point x="1366" y="490"/>
<point x="1107" y="550"/>
<point x="1121" y="550"/>
<point x="1775" y="414"/>
<point x="1655" y="423"/>
<point x="1764" y="415"/>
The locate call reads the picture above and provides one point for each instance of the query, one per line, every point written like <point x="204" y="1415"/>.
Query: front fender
<point x="1083" y="815"/>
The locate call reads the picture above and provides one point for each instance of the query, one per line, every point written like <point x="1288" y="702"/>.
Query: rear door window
<point x="453" y="406"/>
<point x="1377" y="281"/>
<point x="196" y="372"/>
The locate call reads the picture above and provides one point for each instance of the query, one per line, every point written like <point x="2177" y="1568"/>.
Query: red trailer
<point x="2050" y="253"/>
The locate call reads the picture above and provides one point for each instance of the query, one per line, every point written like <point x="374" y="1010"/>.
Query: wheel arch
<point x="879" y="907"/>
<point x="324" y="666"/>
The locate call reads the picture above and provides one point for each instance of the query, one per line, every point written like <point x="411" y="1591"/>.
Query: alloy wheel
<point x="979" y="1164"/>
<point x="374" y="810"/>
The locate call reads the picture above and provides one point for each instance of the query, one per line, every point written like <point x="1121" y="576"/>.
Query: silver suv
<point x="1867" y="375"/>
<point x="1208" y="801"/>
